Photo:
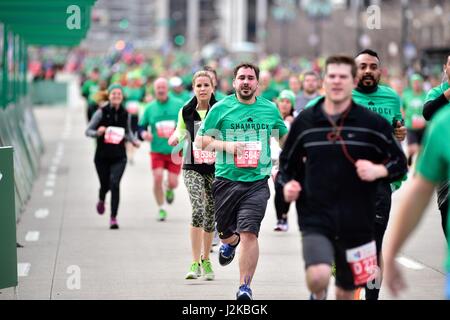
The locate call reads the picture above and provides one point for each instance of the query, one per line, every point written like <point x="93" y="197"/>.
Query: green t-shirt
<point x="89" y="89"/>
<point x="434" y="93"/>
<point x="413" y="108"/>
<point x="134" y="94"/>
<point x="383" y="101"/>
<point x="230" y="120"/>
<point x="434" y="160"/>
<point x="162" y="118"/>
<point x="184" y="95"/>
<point x="219" y="95"/>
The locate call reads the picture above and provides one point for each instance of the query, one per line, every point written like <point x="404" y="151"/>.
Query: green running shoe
<point x="207" y="269"/>
<point x="170" y="195"/>
<point x="194" y="271"/>
<point x="162" y="215"/>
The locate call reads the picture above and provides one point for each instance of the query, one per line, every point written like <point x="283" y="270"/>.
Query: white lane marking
<point x="50" y="183"/>
<point x="23" y="269"/>
<point x="410" y="264"/>
<point x="32" y="236"/>
<point x="56" y="161"/>
<point x="53" y="169"/>
<point x="41" y="213"/>
<point x="52" y="176"/>
<point x="48" y="193"/>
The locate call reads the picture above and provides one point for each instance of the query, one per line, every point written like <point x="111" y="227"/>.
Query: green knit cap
<point x="288" y="94"/>
<point x="115" y="86"/>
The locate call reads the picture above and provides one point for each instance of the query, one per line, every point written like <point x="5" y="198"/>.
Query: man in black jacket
<point x="340" y="149"/>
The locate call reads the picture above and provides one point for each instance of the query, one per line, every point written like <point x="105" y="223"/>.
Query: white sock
<point x="163" y="207"/>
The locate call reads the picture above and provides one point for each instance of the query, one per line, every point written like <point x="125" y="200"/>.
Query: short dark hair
<point x="341" y="60"/>
<point x="311" y="73"/>
<point x="369" y="52"/>
<point x="246" y="65"/>
<point x="210" y="69"/>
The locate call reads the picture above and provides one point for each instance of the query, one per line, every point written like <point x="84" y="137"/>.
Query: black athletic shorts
<point x="239" y="206"/>
<point x="414" y="136"/>
<point x="320" y="249"/>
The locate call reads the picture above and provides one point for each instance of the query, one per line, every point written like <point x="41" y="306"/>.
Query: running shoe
<point x="244" y="293"/>
<point x="113" y="223"/>
<point x="100" y="207"/>
<point x="207" y="269"/>
<point x="170" y="195"/>
<point x="226" y="254"/>
<point x="162" y="216"/>
<point x="194" y="272"/>
<point x="282" y="225"/>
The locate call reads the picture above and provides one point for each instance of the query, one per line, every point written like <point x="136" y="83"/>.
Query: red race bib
<point x="250" y="156"/>
<point x="363" y="262"/>
<point x="418" y="122"/>
<point x="202" y="156"/>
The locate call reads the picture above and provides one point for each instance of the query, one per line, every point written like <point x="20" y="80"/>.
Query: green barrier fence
<point x="48" y="93"/>
<point x="24" y="23"/>
<point x="8" y="253"/>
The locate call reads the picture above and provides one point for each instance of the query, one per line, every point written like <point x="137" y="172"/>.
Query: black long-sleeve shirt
<point x="432" y="106"/>
<point x="334" y="200"/>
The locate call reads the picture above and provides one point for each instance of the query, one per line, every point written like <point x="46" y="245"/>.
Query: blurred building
<point x="290" y="28"/>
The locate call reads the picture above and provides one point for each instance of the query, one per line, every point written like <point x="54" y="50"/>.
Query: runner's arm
<point x="432" y="106"/>
<point x="91" y="130"/>
<point x="291" y="157"/>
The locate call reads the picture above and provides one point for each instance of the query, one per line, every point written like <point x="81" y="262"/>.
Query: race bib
<point x="202" y="156"/>
<point x="250" y="156"/>
<point x="164" y="129"/>
<point x="363" y="262"/>
<point x="114" y="135"/>
<point x="132" y="107"/>
<point x="418" y="122"/>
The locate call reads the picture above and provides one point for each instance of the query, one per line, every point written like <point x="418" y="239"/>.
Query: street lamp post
<point x="317" y="11"/>
<point x="284" y="12"/>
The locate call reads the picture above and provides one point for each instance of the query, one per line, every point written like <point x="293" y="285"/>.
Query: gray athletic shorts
<point x="239" y="206"/>
<point x="319" y="249"/>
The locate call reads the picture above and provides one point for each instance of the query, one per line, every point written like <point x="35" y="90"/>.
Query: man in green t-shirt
<point x="239" y="128"/>
<point x="161" y="116"/>
<point x="413" y="101"/>
<point x="439" y="98"/>
<point x="384" y="101"/>
<point x="433" y="167"/>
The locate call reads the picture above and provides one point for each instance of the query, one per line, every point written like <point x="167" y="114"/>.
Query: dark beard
<point x="246" y="97"/>
<point x="367" y="89"/>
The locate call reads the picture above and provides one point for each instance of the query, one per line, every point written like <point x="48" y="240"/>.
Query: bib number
<point x="202" y="156"/>
<point x="418" y="122"/>
<point x="164" y="129"/>
<point x="114" y="135"/>
<point x="363" y="262"/>
<point x="250" y="156"/>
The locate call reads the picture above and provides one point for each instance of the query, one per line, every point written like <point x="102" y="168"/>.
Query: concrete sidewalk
<point x="70" y="253"/>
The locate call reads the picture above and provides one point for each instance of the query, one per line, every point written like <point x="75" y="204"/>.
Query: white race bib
<point x="114" y="135"/>
<point x="165" y="128"/>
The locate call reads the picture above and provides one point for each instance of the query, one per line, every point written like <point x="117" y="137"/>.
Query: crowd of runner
<point x="327" y="134"/>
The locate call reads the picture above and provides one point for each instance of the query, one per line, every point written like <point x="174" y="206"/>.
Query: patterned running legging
<point x="202" y="201"/>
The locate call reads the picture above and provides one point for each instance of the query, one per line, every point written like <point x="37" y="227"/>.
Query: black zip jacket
<point x="334" y="200"/>
<point x="108" y="116"/>
<point x="192" y="120"/>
